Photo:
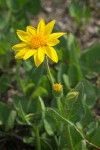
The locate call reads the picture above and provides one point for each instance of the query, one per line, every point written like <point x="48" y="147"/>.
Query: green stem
<point x="49" y="73"/>
<point x="37" y="138"/>
<point x="59" y="104"/>
<point x="72" y="124"/>
<point x="68" y="127"/>
<point x="70" y="138"/>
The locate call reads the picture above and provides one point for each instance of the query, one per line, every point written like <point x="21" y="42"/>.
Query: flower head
<point x="57" y="89"/>
<point x="38" y="43"/>
<point x="72" y="95"/>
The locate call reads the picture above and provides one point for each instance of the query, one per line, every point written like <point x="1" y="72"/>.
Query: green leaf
<point x="91" y="128"/>
<point x="62" y="69"/>
<point x="29" y="89"/>
<point x="88" y="117"/>
<point x="2" y="4"/>
<point x="22" y="114"/>
<point x="75" y="10"/>
<point x="73" y="49"/>
<point x="34" y="6"/>
<point x="28" y="140"/>
<point x="97" y="89"/>
<point x="4" y="83"/>
<point x="22" y="2"/>
<point x="13" y="5"/>
<point x="40" y="91"/>
<point x="74" y="74"/>
<point x="84" y="145"/>
<point x="76" y="137"/>
<point x="79" y="11"/>
<point x="81" y="145"/>
<point x="86" y="12"/>
<point x="90" y="61"/>
<point x="28" y="65"/>
<point x="2" y="22"/>
<point x="48" y="127"/>
<point x="90" y="93"/>
<point x="44" y="83"/>
<point x="66" y="81"/>
<point x="42" y="107"/>
<point x="96" y="137"/>
<point x="50" y="123"/>
<point x="35" y="105"/>
<point x="11" y="120"/>
<point x="36" y="73"/>
<point x="74" y="70"/>
<point x="62" y="49"/>
<point x="20" y="99"/>
<point x="77" y="106"/>
<point x="2" y="48"/>
<point x="48" y="144"/>
<point x="63" y="138"/>
<point x="4" y="113"/>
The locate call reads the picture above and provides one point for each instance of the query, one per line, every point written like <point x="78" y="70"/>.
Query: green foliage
<point x="29" y="112"/>
<point x="4" y="83"/>
<point x="90" y="61"/>
<point x="79" y="11"/>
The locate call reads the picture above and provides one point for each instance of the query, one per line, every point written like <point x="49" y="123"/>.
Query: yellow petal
<point x="24" y="36"/>
<point x="41" y="27"/>
<point x="56" y="35"/>
<point x="41" y="54"/>
<point x="29" y="54"/>
<point x="49" y="27"/>
<point x="19" y="46"/>
<point x="52" y="42"/>
<point x="20" y="54"/>
<point x="31" y="30"/>
<point x="36" y="60"/>
<point x="51" y="53"/>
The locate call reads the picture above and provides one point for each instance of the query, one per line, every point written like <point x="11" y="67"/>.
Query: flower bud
<point x="73" y="94"/>
<point x="57" y="89"/>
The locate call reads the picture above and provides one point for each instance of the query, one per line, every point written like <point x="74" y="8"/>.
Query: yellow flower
<point x="57" y="87"/>
<point x="57" y="90"/>
<point x="38" y="43"/>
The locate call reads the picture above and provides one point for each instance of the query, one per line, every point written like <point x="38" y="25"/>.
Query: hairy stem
<point x="70" y="138"/>
<point x="49" y="73"/>
<point x="37" y="138"/>
<point x="72" y="124"/>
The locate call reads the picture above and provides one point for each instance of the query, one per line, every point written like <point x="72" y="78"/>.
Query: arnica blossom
<point x="57" y="89"/>
<point x="38" y="42"/>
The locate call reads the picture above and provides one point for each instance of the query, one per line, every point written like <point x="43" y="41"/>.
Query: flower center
<point x="37" y="41"/>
